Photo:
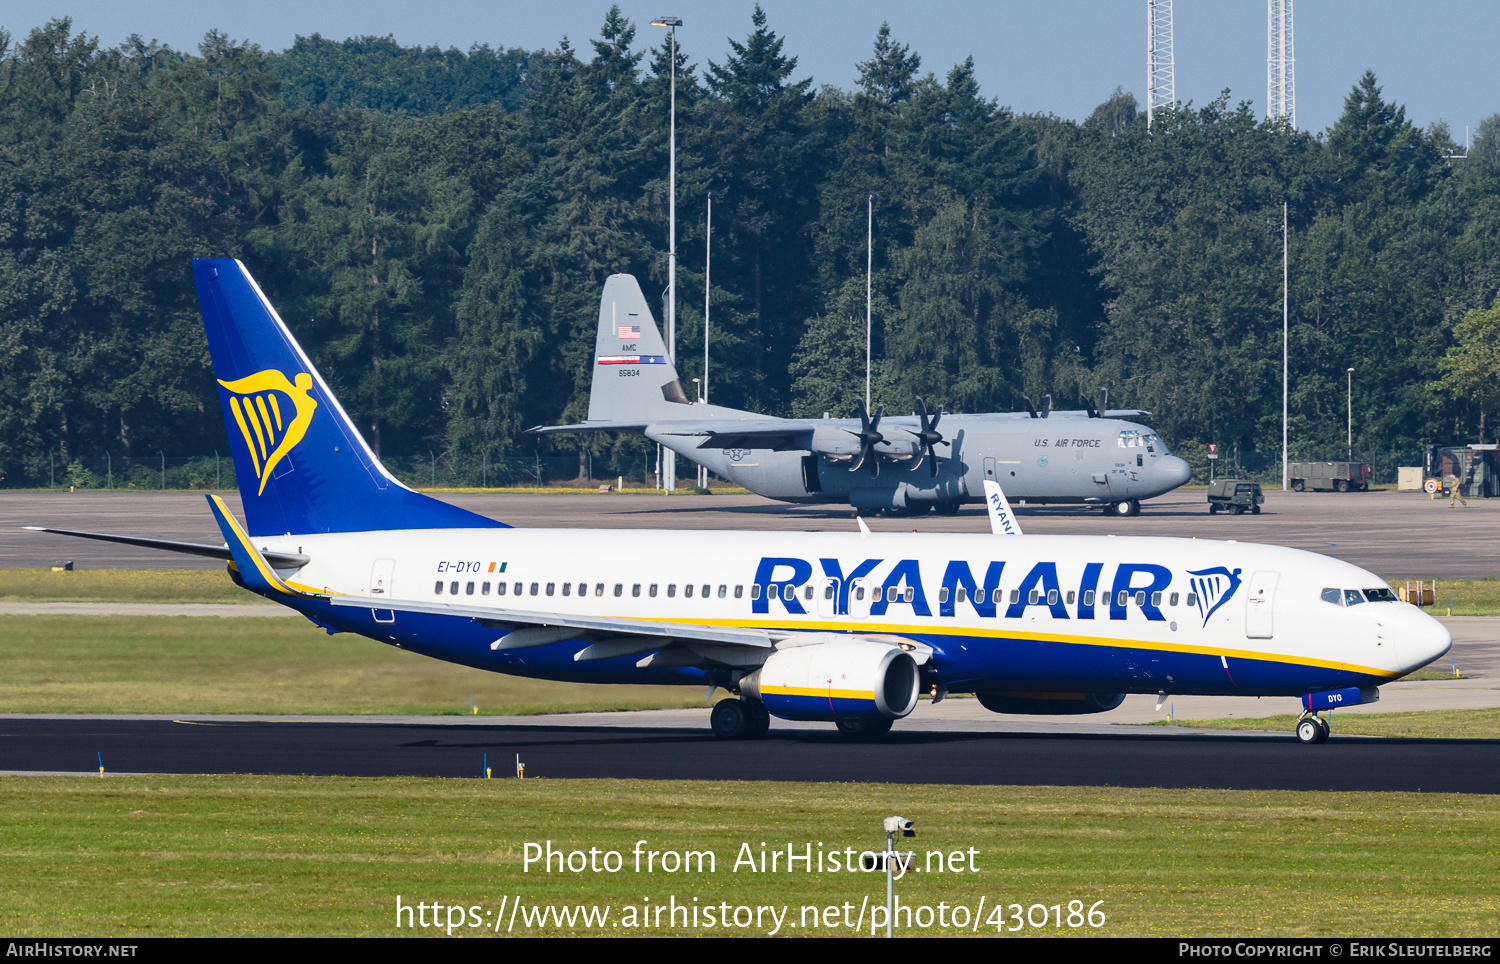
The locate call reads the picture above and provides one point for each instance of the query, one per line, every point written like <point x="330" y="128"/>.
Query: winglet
<point x="1002" y="519"/>
<point x="253" y="568"/>
<point x="864" y="530"/>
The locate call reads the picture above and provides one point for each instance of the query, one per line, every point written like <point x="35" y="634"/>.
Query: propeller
<point x="1030" y="407"/>
<point x="1088" y="405"/>
<point x="1046" y="405"/>
<point x="1103" y="401"/>
<point x="869" y="436"/>
<point x="928" y="436"/>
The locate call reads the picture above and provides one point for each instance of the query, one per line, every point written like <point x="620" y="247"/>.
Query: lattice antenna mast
<point x="1161" y="79"/>
<point x="1281" y="66"/>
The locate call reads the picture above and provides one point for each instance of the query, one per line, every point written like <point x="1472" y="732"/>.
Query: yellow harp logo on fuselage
<point x="259" y="404"/>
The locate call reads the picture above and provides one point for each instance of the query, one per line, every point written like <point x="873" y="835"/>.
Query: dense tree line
<point x="436" y="226"/>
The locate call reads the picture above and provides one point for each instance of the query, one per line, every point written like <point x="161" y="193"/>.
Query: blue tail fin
<point x="302" y="466"/>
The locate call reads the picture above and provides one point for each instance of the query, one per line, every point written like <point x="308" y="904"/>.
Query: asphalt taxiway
<point x="1008" y="754"/>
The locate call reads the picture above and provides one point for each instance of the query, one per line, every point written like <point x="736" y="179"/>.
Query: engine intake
<point x="826" y="677"/>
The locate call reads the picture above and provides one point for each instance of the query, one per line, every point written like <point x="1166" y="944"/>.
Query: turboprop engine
<point x="825" y="676"/>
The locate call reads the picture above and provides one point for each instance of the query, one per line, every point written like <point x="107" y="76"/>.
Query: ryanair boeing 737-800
<point x="846" y="628"/>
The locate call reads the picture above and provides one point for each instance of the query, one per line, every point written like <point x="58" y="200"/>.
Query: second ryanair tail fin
<point x="301" y="464"/>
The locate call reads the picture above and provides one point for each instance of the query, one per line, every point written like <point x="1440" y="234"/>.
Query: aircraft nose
<point x="1171" y="472"/>
<point x="1425" y="640"/>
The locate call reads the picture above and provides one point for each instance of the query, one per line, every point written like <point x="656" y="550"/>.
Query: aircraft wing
<point x="584" y="427"/>
<point x="777" y="434"/>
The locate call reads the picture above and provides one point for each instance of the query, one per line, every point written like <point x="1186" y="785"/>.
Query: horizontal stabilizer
<point x="279" y="560"/>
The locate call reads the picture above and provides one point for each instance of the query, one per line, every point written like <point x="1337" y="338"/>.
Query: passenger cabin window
<point x="438" y="588"/>
<point x="671" y="590"/>
<point x="708" y="590"/>
<point x="1192" y="599"/>
<point x="551" y="587"/>
<point x="453" y="588"/>
<point x="687" y="591"/>
<point x="499" y="588"/>
<point x="788" y="593"/>
<point x="1088" y="597"/>
<point x="620" y="590"/>
<point x="739" y="591"/>
<point x="754" y="591"/>
<point x="653" y="590"/>
<point x="1052" y="597"/>
<point x="807" y="593"/>
<point x="1172" y="599"/>
<point x="518" y="589"/>
<point x="567" y="589"/>
<point x="469" y="589"/>
<point x="484" y="590"/>
<point x="534" y="589"/>
<point x="599" y="589"/>
<point x="942" y="594"/>
<point x="1015" y="595"/>
<point x="635" y="590"/>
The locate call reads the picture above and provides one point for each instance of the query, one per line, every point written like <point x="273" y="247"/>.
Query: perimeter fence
<point x="435" y="470"/>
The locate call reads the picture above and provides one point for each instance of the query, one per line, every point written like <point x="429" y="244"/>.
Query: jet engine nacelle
<point x="1050" y="704"/>
<point x="827" y="677"/>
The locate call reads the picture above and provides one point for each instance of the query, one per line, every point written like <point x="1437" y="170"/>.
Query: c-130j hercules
<point x="888" y="463"/>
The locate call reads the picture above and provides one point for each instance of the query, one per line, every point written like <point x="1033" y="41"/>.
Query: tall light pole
<point x="869" y="270"/>
<point x="1349" y="437"/>
<point x="1284" y="354"/>
<point x="708" y="259"/>
<point x="671" y="23"/>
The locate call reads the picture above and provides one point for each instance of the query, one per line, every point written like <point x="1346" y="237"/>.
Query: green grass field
<point x="264" y="856"/>
<point x="210" y="664"/>
<point x="124" y="585"/>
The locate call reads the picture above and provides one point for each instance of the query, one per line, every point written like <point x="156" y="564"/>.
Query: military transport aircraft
<point x="845" y="628"/>
<point x="875" y="463"/>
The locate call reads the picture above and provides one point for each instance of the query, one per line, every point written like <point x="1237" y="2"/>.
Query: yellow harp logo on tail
<point x="273" y="415"/>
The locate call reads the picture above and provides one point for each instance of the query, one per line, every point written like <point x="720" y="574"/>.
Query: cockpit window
<point x="1334" y="596"/>
<point x="1383" y="594"/>
<point x="1130" y="439"/>
<point x="1352" y="597"/>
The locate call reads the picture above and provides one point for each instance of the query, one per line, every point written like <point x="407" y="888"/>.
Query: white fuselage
<point x="1085" y="612"/>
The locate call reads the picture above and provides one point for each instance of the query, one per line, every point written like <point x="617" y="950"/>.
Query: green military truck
<point x="1235" y="495"/>
<point x="1329" y="476"/>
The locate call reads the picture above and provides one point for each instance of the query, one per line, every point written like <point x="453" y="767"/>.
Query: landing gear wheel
<point x="1324" y="729"/>
<point x="1311" y="730"/>
<point x="731" y="719"/>
<point x="1124" y="510"/>
<point x="863" y="727"/>
<point x="760" y="719"/>
<point x="947" y="508"/>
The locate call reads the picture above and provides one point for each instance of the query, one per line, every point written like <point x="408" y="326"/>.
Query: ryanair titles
<point x="833" y="587"/>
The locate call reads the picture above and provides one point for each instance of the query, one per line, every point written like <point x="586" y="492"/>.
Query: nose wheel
<point x="1123" y="510"/>
<point x="1312" y="729"/>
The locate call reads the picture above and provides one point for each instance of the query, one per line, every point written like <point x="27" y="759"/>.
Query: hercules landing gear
<point x="737" y="719"/>
<point x="1312" y="729"/>
<point x="862" y="728"/>
<point x="1123" y="510"/>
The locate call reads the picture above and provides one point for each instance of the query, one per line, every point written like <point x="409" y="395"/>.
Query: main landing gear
<point x="1312" y="729"/>
<point x="737" y="719"/>
<point x="1123" y="510"/>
